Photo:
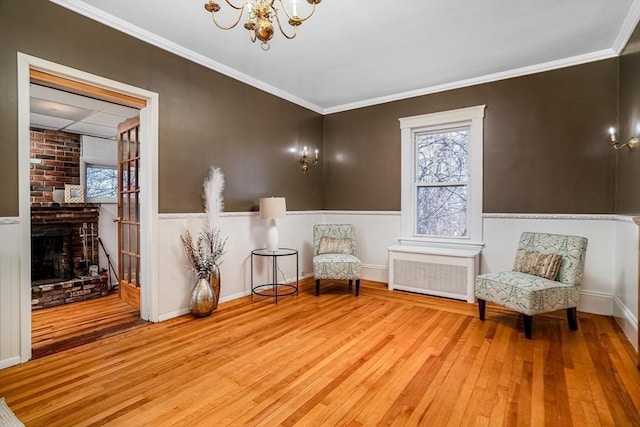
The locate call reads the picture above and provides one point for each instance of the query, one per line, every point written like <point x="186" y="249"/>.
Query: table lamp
<point x="272" y="208"/>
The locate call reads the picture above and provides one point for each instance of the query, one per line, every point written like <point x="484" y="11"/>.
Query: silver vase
<point x="203" y="300"/>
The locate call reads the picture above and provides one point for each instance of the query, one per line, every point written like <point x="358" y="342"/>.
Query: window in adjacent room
<point x="101" y="183"/>
<point x="442" y="177"/>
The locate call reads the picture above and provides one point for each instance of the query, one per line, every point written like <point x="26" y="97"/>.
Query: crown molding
<point x="630" y="22"/>
<point x="109" y="20"/>
<point x="517" y="72"/>
<point x="78" y="6"/>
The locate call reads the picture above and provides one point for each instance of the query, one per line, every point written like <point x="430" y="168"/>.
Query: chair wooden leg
<point x="572" y="318"/>
<point x="317" y="287"/>
<point x="357" y="287"/>
<point x="350" y="284"/>
<point x="482" y="304"/>
<point x="528" y="326"/>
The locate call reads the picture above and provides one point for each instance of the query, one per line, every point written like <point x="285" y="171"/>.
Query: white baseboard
<point x="596" y="302"/>
<point x="590" y="301"/>
<point x="376" y="273"/>
<point x="171" y="315"/>
<point x="235" y="296"/>
<point x="5" y="363"/>
<point x="627" y="321"/>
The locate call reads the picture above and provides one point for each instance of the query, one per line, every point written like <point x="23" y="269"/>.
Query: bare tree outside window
<point x="442" y="178"/>
<point x="101" y="182"/>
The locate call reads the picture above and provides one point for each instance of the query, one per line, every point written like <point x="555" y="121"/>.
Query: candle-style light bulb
<point x="317" y="153"/>
<point x="295" y="7"/>
<point x="612" y="133"/>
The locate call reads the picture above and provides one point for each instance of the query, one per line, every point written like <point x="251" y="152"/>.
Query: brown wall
<point x="545" y="134"/>
<point x="628" y="167"/>
<point x="205" y="118"/>
<point x="545" y="143"/>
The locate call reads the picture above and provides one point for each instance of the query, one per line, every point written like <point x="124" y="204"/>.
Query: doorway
<point x="147" y="178"/>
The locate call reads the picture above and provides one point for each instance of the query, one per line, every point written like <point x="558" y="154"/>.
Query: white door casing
<point x="148" y="186"/>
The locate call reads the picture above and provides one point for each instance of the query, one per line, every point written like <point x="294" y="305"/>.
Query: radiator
<point x="434" y="271"/>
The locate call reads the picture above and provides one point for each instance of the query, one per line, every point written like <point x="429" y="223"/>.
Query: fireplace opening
<point x="51" y="253"/>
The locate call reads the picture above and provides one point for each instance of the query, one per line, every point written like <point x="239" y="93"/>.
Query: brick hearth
<point x="80" y="289"/>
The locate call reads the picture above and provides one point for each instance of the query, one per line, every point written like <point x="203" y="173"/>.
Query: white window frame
<point x="471" y="117"/>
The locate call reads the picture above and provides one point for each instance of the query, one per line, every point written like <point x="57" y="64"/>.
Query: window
<point x="100" y="183"/>
<point x="441" y="182"/>
<point x="98" y="169"/>
<point x="442" y="177"/>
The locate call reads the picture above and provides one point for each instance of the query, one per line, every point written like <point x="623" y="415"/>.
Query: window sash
<point x="427" y="224"/>
<point x="461" y="172"/>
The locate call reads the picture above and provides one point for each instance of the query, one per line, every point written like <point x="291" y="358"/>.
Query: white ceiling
<point x="354" y="53"/>
<point x="60" y="110"/>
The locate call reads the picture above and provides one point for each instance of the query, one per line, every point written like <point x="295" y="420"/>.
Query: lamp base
<point x="273" y="240"/>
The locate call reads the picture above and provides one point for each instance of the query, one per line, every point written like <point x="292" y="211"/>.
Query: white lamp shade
<point x="273" y="207"/>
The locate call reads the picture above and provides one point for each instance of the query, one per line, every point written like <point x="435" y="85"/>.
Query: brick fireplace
<point x="64" y="236"/>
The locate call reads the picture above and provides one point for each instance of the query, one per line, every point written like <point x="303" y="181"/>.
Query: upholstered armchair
<point x="334" y="248"/>
<point x="547" y="275"/>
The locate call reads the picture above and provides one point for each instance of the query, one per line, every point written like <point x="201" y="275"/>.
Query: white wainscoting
<point x="246" y="231"/>
<point x="9" y="292"/>
<point x="625" y="301"/>
<point x="502" y="231"/>
<point x="375" y="232"/>
<point x="609" y="287"/>
<point x="610" y="279"/>
<point x="610" y="284"/>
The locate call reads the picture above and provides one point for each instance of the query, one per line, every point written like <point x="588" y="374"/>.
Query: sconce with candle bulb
<point x="631" y="143"/>
<point x="306" y="162"/>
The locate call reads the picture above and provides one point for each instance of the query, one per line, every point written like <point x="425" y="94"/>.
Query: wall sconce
<point x="305" y="162"/>
<point x="632" y="143"/>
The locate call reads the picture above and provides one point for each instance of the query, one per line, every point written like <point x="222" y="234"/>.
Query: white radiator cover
<point x="434" y="271"/>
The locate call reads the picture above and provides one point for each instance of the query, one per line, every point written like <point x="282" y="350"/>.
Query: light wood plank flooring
<point x="386" y="358"/>
<point x="60" y="328"/>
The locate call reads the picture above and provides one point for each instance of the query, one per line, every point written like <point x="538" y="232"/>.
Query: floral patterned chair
<point x="334" y="248"/>
<point x="547" y="275"/>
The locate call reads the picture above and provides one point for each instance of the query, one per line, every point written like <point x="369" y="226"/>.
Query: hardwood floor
<point x="60" y="328"/>
<point x="382" y="358"/>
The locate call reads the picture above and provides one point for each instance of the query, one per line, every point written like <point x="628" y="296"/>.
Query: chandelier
<point x="260" y="15"/>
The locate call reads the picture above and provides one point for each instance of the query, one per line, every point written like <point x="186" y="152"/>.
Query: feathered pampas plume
<point x="207" y="251"/>
<point x="212" y="195"/>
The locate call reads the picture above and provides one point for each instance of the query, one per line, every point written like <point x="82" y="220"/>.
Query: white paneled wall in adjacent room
<point x="108" y="233"/>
